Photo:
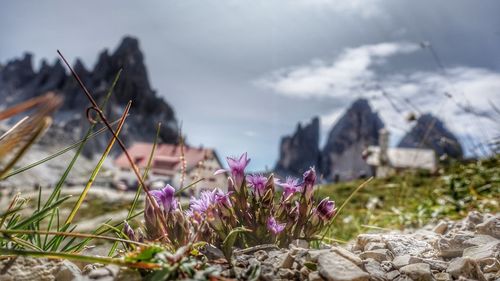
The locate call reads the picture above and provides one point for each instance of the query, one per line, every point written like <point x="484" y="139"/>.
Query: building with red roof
<point x="167" y="166"/>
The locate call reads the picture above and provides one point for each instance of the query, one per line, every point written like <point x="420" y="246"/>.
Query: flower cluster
<point x="251" y="203"/>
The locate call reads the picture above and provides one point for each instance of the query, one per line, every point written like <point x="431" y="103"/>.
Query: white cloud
<point x="350" y="71"/>
<point x="363" y="8"/>
<point x="466" y="111"/>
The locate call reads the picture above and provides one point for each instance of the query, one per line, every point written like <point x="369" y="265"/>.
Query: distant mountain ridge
<point x="19" y="82"/>
<point x="341" y="158"/>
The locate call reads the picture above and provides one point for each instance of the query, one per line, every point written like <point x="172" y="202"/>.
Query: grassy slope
<point x="413" y="199"/>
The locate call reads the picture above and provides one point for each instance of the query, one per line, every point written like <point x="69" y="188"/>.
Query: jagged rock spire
<point x="299" y="151"/>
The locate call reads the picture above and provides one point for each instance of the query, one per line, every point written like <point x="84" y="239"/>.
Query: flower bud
<point x="326" y="209"/>
<point x="129" y="231"/>
<point x="309" y="178"/>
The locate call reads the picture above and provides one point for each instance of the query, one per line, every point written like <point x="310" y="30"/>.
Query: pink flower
<point x="275" y="227"/>
<point x="237" y="167"/>
<point x="207" y="201"/>
<point x="258" y="183"/>
<point x="290" y="186"/>
<point x="165" y="198"/>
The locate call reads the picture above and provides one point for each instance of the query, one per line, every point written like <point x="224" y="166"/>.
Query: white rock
<point x="374" y="246"/>
<point x="314" y="276"/>
<point x="287" y="262"/>
<point x="480" y="239"/>
<point x="454" y="244"/>
<point x="334" y="267"/>
<point x="404" y="260"/>
<point x="491" y="265"/>
<point x="417" y="271"/>
<point x="435" y="264"/>
<point x="314" y="254"/>
<point x="473" y="218"/>
<point x="68" y="271"/>
<point x="364" y="239"/>
<point x="490" y="226"/>
<point x="379" y="255"/>
<point x="27" y="269"/>
<point x="485" y="251"/>
<point x="391" y="275"/>
<point x="406" y="245"/>
<point x="441" y="227"/>
<point x="465" y="267"/>
<point x="442" y="276"/>
<point x="375" y="270"/>
<point x="348" y="255"/>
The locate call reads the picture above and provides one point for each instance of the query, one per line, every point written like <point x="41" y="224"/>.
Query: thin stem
<point x="98" y="167"/>
<point x="344" y="204"/>
<point x="76" y="257"/>
<point x="71" y="234"/>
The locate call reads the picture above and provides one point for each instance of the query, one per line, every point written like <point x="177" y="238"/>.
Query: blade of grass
<point x="49" y="227"/>
<point x="71" y="234"/>
<point x="56" y="241"/>
<point x="81" y="258"/>
<point x="21" y="242"/>
<point x="344" y="204"/>
<point x="78" y="247"/>
<point x="57" y="189"/>
<point x="38" y="215"/>
<point x="36" y="225"/>
<point x="102" y="231"/>
<point x="178" y="192"/>
<point x="139" y="187"/>
<point x="9" y="210"/>
<point x="98" y="167"/>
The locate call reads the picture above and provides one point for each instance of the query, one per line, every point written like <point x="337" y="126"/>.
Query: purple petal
<point x="220" y="171"/>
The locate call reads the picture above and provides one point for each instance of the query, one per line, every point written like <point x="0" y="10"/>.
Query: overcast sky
<point x="241" y="74"/>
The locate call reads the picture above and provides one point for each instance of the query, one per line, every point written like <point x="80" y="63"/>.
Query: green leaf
<point x="227" y="245"/>
<point x="39" y="215"/>
<point x="144" y="254"/>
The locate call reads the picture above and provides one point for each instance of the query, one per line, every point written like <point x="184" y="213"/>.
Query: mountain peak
<point x="299" y="151"/>
<point x="431" y="132"/>
<point x="350" y="136"/>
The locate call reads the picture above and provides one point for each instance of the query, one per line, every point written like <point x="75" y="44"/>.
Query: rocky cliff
<point x="19" y="81"/>
<point x="354" y="132"/>
<point x="430" y="132"/>
<point x="299" y="151"/>
<point x="341" y="157"/>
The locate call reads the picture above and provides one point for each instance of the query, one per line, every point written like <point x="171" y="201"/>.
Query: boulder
<point x="334" y="267"/>
<point x="418" y="271"/>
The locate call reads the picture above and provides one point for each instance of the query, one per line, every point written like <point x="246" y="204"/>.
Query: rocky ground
<point x="463" y="250"/>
